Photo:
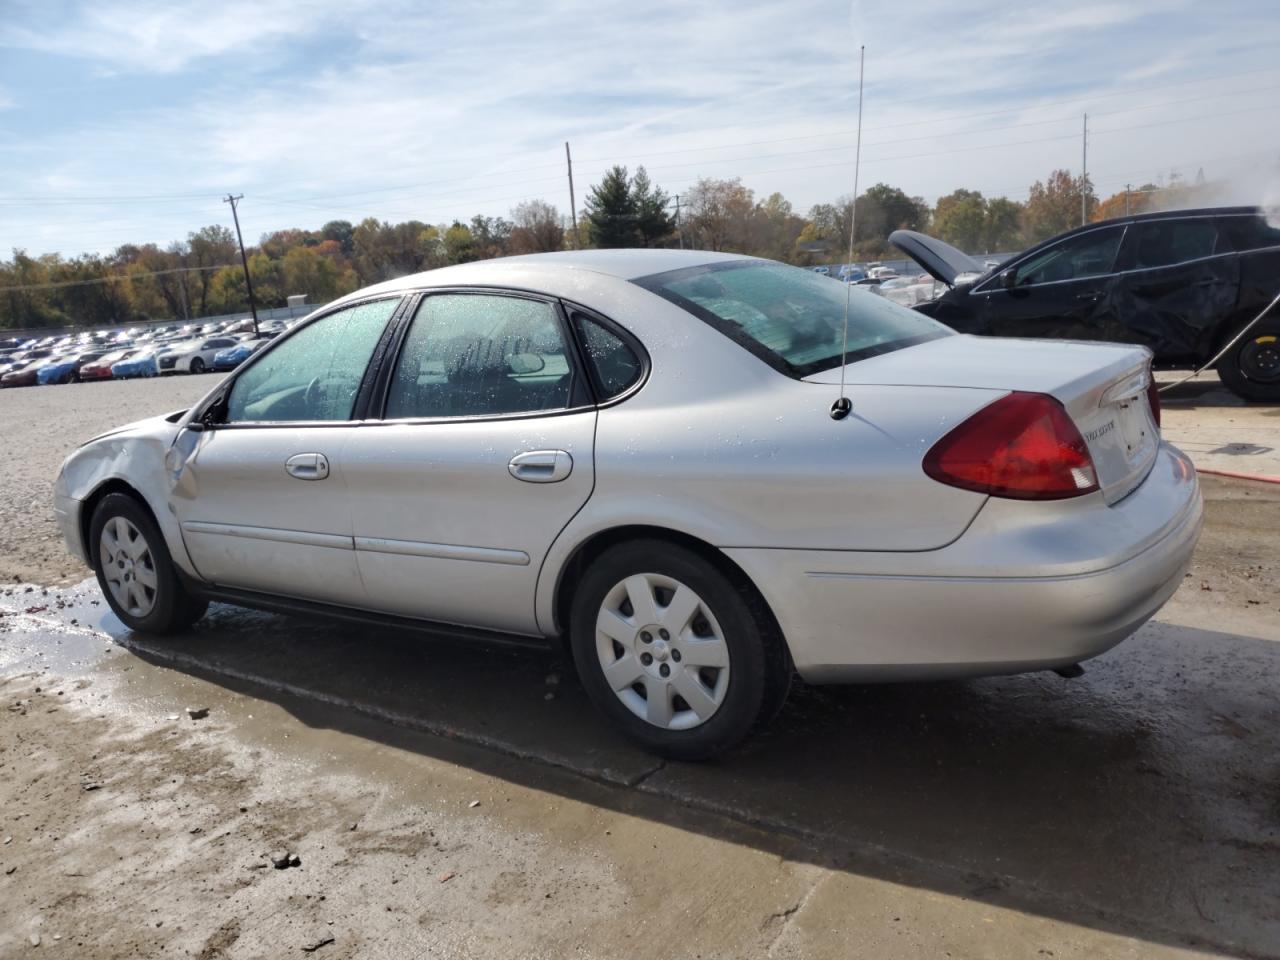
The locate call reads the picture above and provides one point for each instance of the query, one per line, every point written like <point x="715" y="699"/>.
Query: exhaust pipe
<point x="1070" y="671"/>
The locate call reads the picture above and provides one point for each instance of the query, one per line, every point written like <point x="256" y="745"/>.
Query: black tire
<point x="173" y="606"/>
<point x="759" y="667"/>
<point x="1251" y="369"/>
<point x="197" y="365"/>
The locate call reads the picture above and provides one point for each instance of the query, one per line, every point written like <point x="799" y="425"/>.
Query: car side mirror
<point x="1009" y="279"/>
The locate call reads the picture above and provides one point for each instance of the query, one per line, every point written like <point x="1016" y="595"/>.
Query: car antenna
<point x="841" y="408"/>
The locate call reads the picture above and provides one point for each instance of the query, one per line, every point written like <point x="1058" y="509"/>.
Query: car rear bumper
<point x="1008" y="596"/>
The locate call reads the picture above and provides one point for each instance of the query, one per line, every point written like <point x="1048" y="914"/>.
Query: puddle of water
<point x="68" y="630"/>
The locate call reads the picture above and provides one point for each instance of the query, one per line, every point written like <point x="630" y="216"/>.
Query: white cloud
<point x="164" y="36"/>
<point x="447" y="110"/>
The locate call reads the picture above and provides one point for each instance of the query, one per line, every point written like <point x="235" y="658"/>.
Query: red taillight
<point x="1023" y="446"/>
<point x="1153" y="398"/>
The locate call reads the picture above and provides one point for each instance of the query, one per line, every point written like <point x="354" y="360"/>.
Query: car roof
<point x="1166" y="215"/>
<point x="624" y="264"/>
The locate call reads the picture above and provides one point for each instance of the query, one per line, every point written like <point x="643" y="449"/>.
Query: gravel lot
<point x="39" y="426"/>
<point x="449" y="800"/>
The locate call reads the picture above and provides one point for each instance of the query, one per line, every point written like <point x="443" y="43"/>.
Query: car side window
<point x="1086" y="255"/>
<point x="315" y="374"/>
<point x="614" y="365"/>
<point x="1250" y="232"/>
<point x="475" y="354"/>
<point x="1162" y="243"/>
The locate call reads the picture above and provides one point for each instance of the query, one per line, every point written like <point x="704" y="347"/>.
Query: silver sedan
<point x="676" y="461"/>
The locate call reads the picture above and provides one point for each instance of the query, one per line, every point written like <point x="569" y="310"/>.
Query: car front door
<point x="262" y="496"/>
<point x="484" y="453"/>
<point x="1179" y="280"/>
<point x="1064" y="290"/>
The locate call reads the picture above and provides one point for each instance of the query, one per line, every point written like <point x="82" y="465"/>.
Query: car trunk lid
<point x="1103" y="388"/>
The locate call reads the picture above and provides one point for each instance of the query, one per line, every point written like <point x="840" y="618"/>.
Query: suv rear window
<point x="790" y="318"/>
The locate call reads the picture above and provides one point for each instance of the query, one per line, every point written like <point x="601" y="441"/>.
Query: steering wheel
<point x="311" y="396"/>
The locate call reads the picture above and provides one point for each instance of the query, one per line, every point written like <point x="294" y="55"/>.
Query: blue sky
<point x="125" y="120"/>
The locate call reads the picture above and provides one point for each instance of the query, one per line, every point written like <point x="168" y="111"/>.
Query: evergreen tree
<point x="653" y="221"/>
<point x="611" y="211"/>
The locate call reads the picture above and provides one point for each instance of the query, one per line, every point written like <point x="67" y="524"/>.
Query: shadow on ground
<point x="1142" y="799"/>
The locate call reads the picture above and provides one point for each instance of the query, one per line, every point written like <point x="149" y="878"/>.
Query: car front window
<point x="1088" y="254"/>
<point x="314" y="374"/>
<point x="793" y="319"/>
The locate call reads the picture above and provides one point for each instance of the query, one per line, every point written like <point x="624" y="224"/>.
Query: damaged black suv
<point x="1183" y="283"/>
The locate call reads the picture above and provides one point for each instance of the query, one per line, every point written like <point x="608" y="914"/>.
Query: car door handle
<point x="307" y="466"/>
<point x="541" y="466"/>
<point x="1095" y="295"/>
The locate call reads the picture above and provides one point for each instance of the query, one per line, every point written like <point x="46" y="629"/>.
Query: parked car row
<point x="121" y="354"/>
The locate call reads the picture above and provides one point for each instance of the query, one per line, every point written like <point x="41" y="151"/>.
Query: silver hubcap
<point x="128" y="567"/>
<point x="662" y="651"/>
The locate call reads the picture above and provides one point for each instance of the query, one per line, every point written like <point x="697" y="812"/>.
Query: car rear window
<point x="792" y="319"/>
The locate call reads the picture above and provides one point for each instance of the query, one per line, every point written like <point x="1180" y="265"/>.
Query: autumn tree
<point x="307" y="271"/>
<point x="490" y="237"/>
<point x="1127" y="202"/>
<point x="1053" y="206"/>
<point x="960" y="218"/>
<point x="537" y="228"/>
<point x="883" y="209"/>
<point x="720" y="214"/>
<point x="777" y="227"/>
<point x="210" y="247"/>
<point x="1002" y="231"/>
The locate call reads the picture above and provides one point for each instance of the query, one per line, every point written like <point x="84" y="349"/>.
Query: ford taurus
<point x="677" y="462"/>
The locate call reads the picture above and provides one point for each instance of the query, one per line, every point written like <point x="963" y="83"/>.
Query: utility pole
<point x="679" y="232"/>
<point x="1126" y="198"/>
<point x="244" y="261"/>
<point x="1084" y="172"/>
<point x="573" y="208"/>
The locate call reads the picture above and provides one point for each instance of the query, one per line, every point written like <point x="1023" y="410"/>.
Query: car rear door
<point x="483" y="455"/>
<point x="262" y="496"/>
<point x="1179" y="279"/>
<point x="1063" y="290"/>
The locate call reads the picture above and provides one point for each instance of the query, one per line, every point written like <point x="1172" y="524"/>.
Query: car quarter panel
<point x="1085" y="580"/>
<point x="719" y="446"/>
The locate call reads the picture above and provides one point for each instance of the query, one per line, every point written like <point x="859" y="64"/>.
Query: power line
<point x="157" y="198"/>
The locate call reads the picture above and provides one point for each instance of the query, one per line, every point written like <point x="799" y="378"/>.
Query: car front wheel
<point x="197" y="365"/>
<point x="135" y="571"/>
<point x="1251" y="369"/>
<point x="680" y="657"/>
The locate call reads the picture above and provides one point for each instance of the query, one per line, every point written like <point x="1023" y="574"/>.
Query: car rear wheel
<point x="197" y="365"/>
<point x="135" y="571"/>
<point x="1251" y="369"/>
<point x="680" y="657"/>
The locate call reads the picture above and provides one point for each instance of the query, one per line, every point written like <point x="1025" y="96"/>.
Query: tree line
<point x="202" y="276"/>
